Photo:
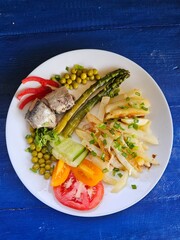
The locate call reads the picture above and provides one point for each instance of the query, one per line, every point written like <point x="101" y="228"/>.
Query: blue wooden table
<point x="147" y="32"/>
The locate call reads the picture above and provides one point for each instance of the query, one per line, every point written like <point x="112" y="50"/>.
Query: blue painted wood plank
<point x="19" y="17"/>
<point x="49" y="224"/>
<point x="146" y="32"/>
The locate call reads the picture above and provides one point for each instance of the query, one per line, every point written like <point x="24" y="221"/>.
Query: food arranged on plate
<point x="112" y="146"/>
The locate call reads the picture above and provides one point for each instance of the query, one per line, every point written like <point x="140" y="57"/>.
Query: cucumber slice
<point x="79" y="159"/>
<point x="69" y="151"/>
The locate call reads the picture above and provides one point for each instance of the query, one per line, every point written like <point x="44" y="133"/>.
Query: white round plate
<point x="17" y="129"/>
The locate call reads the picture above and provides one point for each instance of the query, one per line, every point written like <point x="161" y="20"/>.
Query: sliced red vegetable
<point x="34" y="96"/>
<point x="33" y="91"/>
<point x="42" y="81"/>
<point x="77" y="195"/>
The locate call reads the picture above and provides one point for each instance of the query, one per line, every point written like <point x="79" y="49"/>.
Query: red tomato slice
<point x="75" y="194"/>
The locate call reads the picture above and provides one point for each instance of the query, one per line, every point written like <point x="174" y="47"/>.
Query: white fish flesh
<point x="60" y="100"/>
<point x="40" y="115"/>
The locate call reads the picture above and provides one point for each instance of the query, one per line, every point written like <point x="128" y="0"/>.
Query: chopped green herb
<point x="105" y="142"/>
<point x="67" y="68"/>
<point x="116" y="125"/>
<point x="115" y="170"/>
<point x="92" y="141"/>
<point x="28" y="150"/>
<point x="104" y="135"/>
<point x="116" y="144"/>
<point x="130" y="145"/>
<point x="134" y="154"/>
<point x="102" y="126"/>
<point x="136" y="120"/>
<point x="28" y="136"/>
<point x="93" y="153"/>
<point x="134" y="186"/>
<point x="105" y="170"/>
<point x="130" y="125"/>
<point x="120" y="175"/>
<point x="135" y="126"/>
<point x="33" y="170"/>
<point x="138" y="93"/>
<point x="123" y="107"/>
<point x="103" y="156"/>
<point x="128" y="98"/>
<point x="112" y="131"/>
<point x="144" y="108"/>
<point x="124" y="154"/>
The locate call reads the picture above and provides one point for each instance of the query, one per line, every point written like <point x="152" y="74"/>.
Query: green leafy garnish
<point x="44" y="135"/>
<point x="78" y="67"/>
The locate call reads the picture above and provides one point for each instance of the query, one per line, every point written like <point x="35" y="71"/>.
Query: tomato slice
<point x="60" y="173"/>
<point x="74" y="194"/>
<point x="88" y="173"/>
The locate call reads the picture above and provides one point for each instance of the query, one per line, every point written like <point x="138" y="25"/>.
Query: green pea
<point x="48" y="162"/>
<point x="35" y="166"/>
<point x="69" y="81"/>
<point x="97" y="77"/>
<point x="32" y="130"/>
<point x="39" y="155"/>
<point x="73" y="77"/>
<point x="66" y="76"/>
<point x="34" y="153"/>
<point x="70" y="87"/>
<point x="47" y="175"/>
<point x="78" y="80"/>
<point x="84" y="81"/>
<point x="90" y="72"/>
<point x="33" y="135"/>
<point x="48" y="167"/>
<point x="63" y="80"/>
<point x="73" y="70"/>
<point x="95" y="71"/>
<point x="42" y="165"/>
<point x="83" y="76"/>
<point x="46" y="156"/>
<point x="34" y="160"/>
<point x="29" y="139"/>
<point x="32" y="146"/>
<point x="53" y="159"/>
<point x="44" y="150"/>
<point x="67" y="86"/>
<point x="41" y="160"/>
<point x="91" y="77"/>
<point x="38" y="148"/>
<point x="79" y="72"/>
<point x="42" y="171"/>
<point x="75" y="85"/>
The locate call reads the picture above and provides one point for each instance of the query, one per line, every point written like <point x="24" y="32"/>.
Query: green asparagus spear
<point x="109" y="90"/>
<point x="61" y="125"/>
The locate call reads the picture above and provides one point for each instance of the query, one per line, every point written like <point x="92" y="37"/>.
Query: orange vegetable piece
<point x="60" y="173"/>
<point x="88" y="173"/>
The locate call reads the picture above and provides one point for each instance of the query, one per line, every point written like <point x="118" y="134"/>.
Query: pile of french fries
<point x="119" y="136"/>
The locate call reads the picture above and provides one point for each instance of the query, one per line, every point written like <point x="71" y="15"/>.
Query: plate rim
<point x="74" y="213"/>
